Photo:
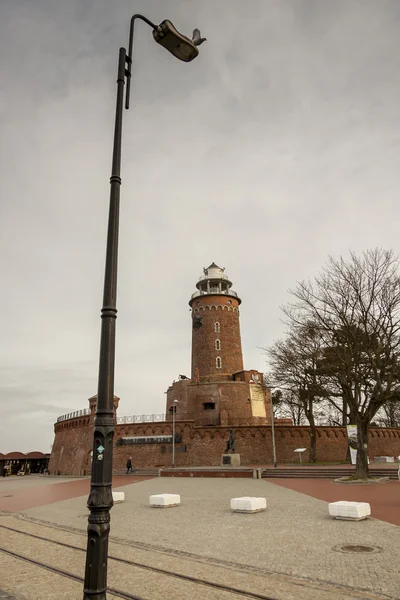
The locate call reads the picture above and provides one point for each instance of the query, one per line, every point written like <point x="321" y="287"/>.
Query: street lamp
<point x="273" y="432"/>
<point x="270" y="387"/>
<point x="173" y="432"/>
<point x="100" y="498"/>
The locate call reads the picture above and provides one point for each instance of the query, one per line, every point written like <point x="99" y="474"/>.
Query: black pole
<point x="100" y="498"/>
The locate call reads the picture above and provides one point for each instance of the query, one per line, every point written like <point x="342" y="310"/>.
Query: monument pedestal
<point x="230" y="460"/>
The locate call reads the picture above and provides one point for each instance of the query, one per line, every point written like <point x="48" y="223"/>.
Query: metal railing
<point x="74" y="415"/>
<point x="154" y="418"/>
<point x="216" y="293"/>
<point x="205" y="418"/>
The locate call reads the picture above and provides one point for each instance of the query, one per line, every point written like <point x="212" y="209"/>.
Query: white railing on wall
<point x="154" y="418"/>
<point x="74" y="415"/>
<point x="215" y="293"/>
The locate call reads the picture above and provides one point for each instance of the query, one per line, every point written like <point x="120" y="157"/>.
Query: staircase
<point x="323" y="472"/>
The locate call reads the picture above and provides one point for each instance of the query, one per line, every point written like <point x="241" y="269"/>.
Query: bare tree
<point x="355" y="308"/>
<point x="288" y="406"/>
<point x="389" y="414"/>
<point x="328" y="415"/>
<point x="293" y="367"/>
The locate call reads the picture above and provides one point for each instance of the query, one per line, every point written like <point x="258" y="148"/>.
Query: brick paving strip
<point x="384" y="498"/>
<point x="15" y="500"/>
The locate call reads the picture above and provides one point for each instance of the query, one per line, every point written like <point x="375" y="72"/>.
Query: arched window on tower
<point x="217" y="345"/>
<point x="217" y="328"/>
<point x="218" y="363"/>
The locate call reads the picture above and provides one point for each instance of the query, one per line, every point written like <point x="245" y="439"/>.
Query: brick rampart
<point x="73" y="441"/>
<point x="231" y="400"/>
<point x="203" y="446"/>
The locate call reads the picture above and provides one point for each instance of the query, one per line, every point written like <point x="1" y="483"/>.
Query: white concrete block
<point x="248" y="504"/>
<point x="349" y="510"/>
<point x="164" y="500"/>
<point x="384" y="459"/>
<point x="118" y="497"/>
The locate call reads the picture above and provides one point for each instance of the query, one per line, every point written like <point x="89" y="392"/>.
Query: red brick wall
<point x="224" y="310"/>
<point x="179" y="391"/>
<point x="73" y="441"/>
<point x="205" y="445"/>
<point x="230" y="397"/>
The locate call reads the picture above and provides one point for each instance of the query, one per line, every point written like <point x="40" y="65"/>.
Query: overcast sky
<point x="277" y="146"/>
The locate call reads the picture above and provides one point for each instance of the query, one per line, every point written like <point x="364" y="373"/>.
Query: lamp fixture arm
<point x="128" y="71"/>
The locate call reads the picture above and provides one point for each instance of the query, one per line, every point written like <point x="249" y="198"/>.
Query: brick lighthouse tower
<point x="219" y="391"/>
<point x="216" y="343"/>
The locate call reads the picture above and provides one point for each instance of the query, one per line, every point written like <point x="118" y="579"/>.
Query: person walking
<point x="129" y="465"/>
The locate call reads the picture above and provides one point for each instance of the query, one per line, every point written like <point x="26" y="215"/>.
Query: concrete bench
<point x="164" y="500"/>
<point x="349" y="511"/>
<point x="118" y="497"/>
<point x="248" y="504"/>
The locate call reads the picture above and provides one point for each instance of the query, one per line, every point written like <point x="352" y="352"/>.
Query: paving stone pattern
<point x="6" y="596"/>
<point x="294" y="536"/>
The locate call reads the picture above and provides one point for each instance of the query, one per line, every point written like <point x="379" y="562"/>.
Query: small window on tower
<point x="217" y="345"/>
<point x="209" y="405"/>
<point x="217" y="328"/>
<point x="218" y="362"/>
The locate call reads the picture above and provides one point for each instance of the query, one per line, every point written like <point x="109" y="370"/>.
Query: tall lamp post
<point x="270" y="387"/>
<point x="100" y="498"/>
<point x="273" y="432"/>
<point x="173" y="432"/>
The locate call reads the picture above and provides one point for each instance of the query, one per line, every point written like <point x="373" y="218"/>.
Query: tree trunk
<point x="313" y="444"/>
<point x="362" y="470"/>
<point x="348" y="456"/>
<point x="344" y="424"/>
<point x="313" y="431"/>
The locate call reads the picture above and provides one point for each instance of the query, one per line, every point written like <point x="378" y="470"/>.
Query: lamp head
<point x="179" y="45"/>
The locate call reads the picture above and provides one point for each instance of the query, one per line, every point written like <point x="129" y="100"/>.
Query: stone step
<point x="329" y="470"/>
<point x="208" y="472"/>
<point x="139" y="473"/>
<point x="322" y="473"/>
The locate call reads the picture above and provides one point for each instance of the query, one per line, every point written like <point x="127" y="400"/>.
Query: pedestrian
<point x="129" y="465"/>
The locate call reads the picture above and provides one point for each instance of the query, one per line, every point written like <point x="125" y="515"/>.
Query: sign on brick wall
<point x="145" y="439"/>
<point x="257" y="400"/>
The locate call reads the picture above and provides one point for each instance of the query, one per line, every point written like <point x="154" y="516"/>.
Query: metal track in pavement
<point x="120" y="593"/>
<point x="37" y="563"/>
<point x="302" y="582"/>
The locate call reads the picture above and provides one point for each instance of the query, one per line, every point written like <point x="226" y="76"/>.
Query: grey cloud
<point x="276" y="147"/>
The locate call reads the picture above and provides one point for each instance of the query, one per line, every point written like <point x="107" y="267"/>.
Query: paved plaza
<point x="289" y="551"/>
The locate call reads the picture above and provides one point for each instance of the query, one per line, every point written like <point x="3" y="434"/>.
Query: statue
<point x="231" y="443"/>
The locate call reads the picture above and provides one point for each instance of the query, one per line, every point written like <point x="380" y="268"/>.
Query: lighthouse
<point x="219" y="391"/>
<point x="216" y="343"/>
